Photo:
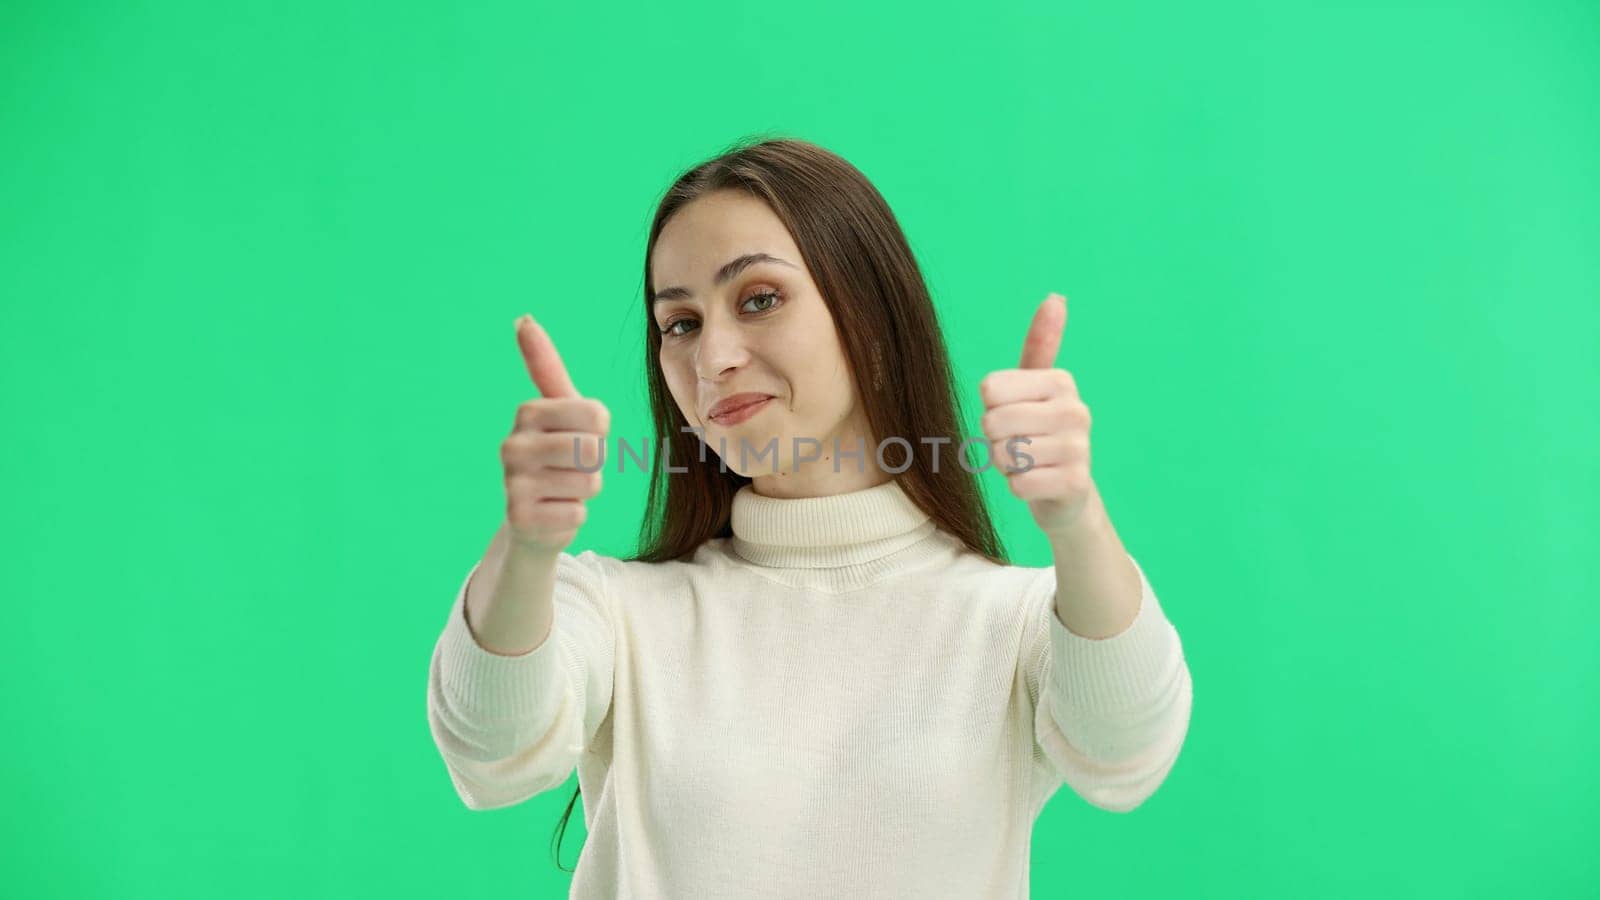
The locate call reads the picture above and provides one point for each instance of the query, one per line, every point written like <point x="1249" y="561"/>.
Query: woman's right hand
<point x="552" y="435"/>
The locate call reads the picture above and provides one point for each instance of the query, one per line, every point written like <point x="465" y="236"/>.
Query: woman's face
<point x="763" y="329"/>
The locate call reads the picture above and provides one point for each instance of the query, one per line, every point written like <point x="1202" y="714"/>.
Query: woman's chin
<point x="760" y="446"/>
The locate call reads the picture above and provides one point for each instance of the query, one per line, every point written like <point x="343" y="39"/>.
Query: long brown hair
<point x="864" y="269"/>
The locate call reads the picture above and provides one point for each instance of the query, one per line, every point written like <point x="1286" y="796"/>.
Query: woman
<point x="820" y="677"/>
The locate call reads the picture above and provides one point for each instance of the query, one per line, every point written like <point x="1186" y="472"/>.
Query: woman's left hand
<point x="1038" y="427"/>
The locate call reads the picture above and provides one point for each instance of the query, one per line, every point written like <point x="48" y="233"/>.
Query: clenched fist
<point x="1036" y="412"/>
<point x="553" y="435"/>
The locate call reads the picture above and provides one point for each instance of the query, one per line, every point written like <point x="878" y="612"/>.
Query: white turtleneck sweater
<point x="840" y="700"/>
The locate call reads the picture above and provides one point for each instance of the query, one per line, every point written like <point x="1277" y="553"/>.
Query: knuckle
<point x="517" y="510"/>
<point x="587" y="449"/>
<point x="512" y="449"/>
<point x="573" y="513"/>
<point x="1077" y="479"/>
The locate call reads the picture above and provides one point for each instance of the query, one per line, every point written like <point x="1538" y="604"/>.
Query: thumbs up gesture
<point x="1034" y="411"/>
<point x="553" y="455"/>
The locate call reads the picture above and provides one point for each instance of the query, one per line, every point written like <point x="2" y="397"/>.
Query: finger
<point x="573" y="450"/>
<point x="554" y="484"/>
<point x="1018" y="385"/>
<point x="1045" y="450"/>
<point x="1027" y="417"/>
<point x="1044" y="335"/>
<point x="1046" y="482"/>
<point x="547" y="513"/>
<point x="564" y="414"/>
<point x="543" y="362"/>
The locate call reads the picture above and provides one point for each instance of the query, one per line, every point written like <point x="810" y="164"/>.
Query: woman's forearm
<point x="510" y="599"/>
<point x="1097" y="587"/>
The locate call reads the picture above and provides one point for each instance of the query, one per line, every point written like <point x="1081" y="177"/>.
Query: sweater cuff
<point x="1120" y="672"/>
<point x="490" y="687"/>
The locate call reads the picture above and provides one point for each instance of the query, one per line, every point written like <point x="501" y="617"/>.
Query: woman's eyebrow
<point x="729" y="270"/>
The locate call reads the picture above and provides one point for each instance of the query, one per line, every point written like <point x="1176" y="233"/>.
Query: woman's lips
<point x="741" y="413"/>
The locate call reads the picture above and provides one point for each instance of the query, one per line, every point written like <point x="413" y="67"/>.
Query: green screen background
<point x="1333" y="278"/>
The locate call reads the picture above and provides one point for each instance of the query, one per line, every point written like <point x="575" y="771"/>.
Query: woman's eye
<point x="766" y="300"/>
<point x="770" y="296"/>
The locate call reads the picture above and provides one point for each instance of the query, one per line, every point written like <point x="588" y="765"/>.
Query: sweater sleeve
<point x="1110" y="714"/>
<point x="510" y="727"/>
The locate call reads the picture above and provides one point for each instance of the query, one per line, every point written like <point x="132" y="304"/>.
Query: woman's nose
<point x="720" y="348"/>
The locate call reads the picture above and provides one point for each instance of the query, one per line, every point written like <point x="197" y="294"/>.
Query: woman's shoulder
<point x="943" y="562"/>
<point x="711" y="554"/>
<point x="968" y="568"/>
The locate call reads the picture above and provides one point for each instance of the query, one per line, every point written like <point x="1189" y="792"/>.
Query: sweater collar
<point x="846" y="529"/>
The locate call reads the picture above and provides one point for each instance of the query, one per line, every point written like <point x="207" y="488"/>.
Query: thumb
<point x="543" y="362"/>
<point x="1044" y="334"/>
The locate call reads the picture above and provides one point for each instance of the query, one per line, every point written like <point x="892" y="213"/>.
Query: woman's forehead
<point x="692" y="249"/>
